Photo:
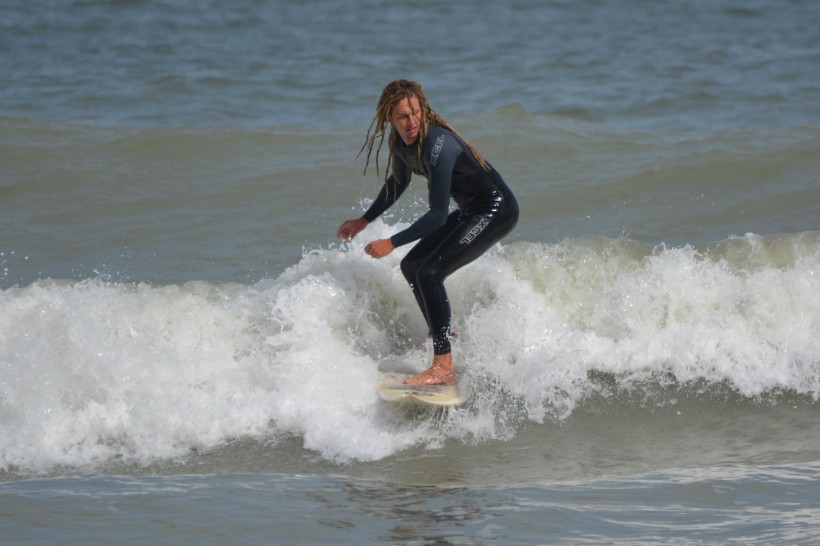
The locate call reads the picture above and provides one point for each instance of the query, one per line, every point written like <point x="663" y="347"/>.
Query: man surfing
<point x="422" y="142"/>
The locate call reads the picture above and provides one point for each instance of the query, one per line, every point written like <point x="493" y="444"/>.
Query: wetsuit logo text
<point x="437" y="150"/>
<point x="478" y="228"/>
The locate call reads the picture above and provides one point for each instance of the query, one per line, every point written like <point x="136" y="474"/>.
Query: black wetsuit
<point x="487" y="211"/>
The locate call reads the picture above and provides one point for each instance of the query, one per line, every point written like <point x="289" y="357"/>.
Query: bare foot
<point x="440" y="373"/>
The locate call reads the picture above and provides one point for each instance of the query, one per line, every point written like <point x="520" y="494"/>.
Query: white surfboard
<point x="392" y="389"/>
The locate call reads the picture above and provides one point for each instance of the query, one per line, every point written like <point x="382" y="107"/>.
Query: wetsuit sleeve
<point x="441" y="164"/>
<point x="392" y="189"/>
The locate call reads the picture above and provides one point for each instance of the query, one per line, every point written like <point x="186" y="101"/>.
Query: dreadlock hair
<point x="392" y="94"/>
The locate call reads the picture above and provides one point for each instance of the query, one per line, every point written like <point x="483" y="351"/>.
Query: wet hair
<point x="392" y="94"/>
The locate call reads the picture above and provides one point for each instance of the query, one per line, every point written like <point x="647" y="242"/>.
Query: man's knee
<point x="408" y="269"/>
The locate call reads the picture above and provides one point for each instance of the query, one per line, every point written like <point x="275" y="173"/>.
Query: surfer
<point x="422" y="142"/>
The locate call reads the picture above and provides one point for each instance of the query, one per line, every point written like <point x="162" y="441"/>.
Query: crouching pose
<point x="422" y="142"/>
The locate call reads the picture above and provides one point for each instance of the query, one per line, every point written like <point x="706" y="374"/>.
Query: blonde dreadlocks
<point x="392" y="94"/>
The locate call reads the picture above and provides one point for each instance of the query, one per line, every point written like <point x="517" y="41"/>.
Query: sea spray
<point x="95" y="371"/>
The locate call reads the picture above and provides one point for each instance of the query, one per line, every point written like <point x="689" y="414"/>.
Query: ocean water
<point x="188" y="356"/>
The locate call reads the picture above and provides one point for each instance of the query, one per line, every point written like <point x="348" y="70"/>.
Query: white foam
<point x="90" y="371"/>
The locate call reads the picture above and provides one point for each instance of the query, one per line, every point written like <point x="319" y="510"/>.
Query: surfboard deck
<point x="392" y="389"/>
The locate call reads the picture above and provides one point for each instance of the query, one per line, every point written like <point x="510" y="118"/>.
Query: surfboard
<point x="392" y="389"/>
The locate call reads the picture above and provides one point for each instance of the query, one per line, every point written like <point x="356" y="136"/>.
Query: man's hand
<point x="351" y="228"/>
<point x="379" y="248"/>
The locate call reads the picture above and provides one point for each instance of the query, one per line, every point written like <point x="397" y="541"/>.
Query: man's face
<point x="405" y="118"/>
